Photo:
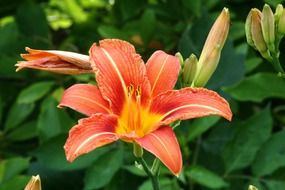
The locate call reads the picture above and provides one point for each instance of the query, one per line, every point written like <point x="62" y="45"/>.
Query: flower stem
<point x="276" y="64"/>
<point x="153" y="176"/>
<point x="155" y="167"/>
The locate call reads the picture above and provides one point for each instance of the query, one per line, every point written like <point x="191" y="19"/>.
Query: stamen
<point x="130" y="114"/>
<point x="138" y="112"/>
<point x="130" y="90"/>
<point x="138" y="91"/>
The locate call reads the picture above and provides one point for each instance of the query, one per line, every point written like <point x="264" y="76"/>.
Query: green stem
<point x="276" y="64"/>
<point x="195" y="157"/>
<point x="155" y="167"/>
<point x="153" y="177"/>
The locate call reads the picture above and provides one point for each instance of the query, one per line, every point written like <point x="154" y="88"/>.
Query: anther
<point x="138" y="91"/>
<point x="130" y="89"/>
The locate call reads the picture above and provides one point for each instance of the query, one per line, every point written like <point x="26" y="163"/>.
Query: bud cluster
<point x="264" y="31"/>
<point x="197" y="72"/>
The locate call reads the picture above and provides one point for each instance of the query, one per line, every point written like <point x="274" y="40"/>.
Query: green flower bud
<point x="268" y="27"/>
<point x="189" y="70"/>
<point x="251" y="187"/>
<point x="281" y="23"/>
<point x="210" y="55"/>
<point x="278" y="12"/>
<point x="137" y="150"/>
<point x="248" y="33"/>
<point x="180" y="57"/>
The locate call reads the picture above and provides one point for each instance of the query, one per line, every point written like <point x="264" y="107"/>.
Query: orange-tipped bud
<point x="268" y="27"/>
<point x="34" y="183"/>
<point x="210" y="55"/>
<point x="62" y="62"/>
<point x="189" y="70"/>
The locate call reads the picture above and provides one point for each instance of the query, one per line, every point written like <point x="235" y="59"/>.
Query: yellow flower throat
<point x="136" y="120"/>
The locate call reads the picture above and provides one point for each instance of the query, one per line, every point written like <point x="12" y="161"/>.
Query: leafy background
<point x="217" y="154"/>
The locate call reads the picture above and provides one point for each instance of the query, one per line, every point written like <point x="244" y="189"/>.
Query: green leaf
<point x="8" y="44"/>
<point x="252" y="63"/>
<point x="147" y="24"/>
<point x="107" y="31"/>
<point x="258" y="87"/>
<point x="103" y="170"/>
<point x="249" y="137"/>
<point x="1" y="109"/>
<point x="14" y="166"/>
<point x="237" y="30"/>
<point x="193" y="5"/>
<point x="201" y="125"/>
<point x="23" y="132"/>
<point x="51" y="155"/>
<point x="75" y="11"/>
<point x="16" y="183"/>
<point x="275" y="184"/>
<point x="273" y="3"/>
<point x="127" y="9"/>
<point x="205" y="177"/>
<point x="8" y="69"/>
<point x="271" y="156"/>
<point x="135" y="170"/>
<point x="52" y="121"/>
<point x="27" y="22"/>
<point x="17" y="114"/>
<point x="34" y="92"/>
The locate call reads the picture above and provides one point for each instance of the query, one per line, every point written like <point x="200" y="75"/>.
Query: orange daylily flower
<point x="135" y="102"/>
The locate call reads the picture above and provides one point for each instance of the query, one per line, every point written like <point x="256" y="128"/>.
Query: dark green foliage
<point x="217" y="154"/>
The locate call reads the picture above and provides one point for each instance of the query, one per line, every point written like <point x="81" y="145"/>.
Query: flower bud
<point x="137" y="150"/>
<point x="208" y="68"/>
<point x="251" y="187"/>
<point x="62" y="62"/>
<point x="268" y="27"/>
<point x="34" y="183"/>
<point x="278" y="12"/>
<point x="248" y="33"/>
<point x="180" y="57"/>
<point x="210" y="55"/>
<point x="256" y="33"/>
<point x="189" y="70"/>
<point x="281" y="23"/>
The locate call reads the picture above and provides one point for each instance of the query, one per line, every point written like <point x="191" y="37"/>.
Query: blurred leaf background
<point x="217" y="154"/>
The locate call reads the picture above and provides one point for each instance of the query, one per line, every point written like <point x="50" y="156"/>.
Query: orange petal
<point x="189" y="103"/>
<point x="163" y="144"/>
<point x="89" y="134"/>
<point x="162" y="71"/>
<point x="55" y="61"/>
<point x="118" y="66"/>
<point x="84" y="98"/>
